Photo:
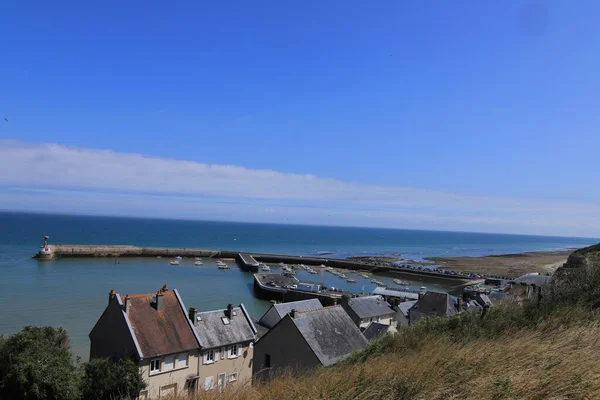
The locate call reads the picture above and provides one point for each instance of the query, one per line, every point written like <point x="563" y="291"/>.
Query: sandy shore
<point x="511" y="265"/>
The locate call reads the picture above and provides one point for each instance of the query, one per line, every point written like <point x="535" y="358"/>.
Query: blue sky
<point x="391" y="114"/>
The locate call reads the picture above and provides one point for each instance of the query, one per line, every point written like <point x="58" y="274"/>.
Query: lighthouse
<point x="45" y="253"/>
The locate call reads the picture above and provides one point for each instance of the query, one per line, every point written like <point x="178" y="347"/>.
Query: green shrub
<point x="105" y="379"/>
<point x="36" y="364"/>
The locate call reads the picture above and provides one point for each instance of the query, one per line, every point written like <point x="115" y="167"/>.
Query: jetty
<point x="247" y="261"/>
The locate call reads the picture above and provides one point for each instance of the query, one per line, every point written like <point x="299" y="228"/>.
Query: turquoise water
<point x="72" y="293"/>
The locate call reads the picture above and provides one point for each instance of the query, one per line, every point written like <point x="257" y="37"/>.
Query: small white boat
<point x="174" y="262"/>
<point x="379" y="283"/>
<point x="197" y="262"/>
<point x="351" y="280"/>
<point x="198" y="259"/>
<point x="312" y="271"/>
<point x="364" y="275"/>
<point x="342" y="276"/>
<point x="265" y="267"/>
<point x="401" y="282"/>
<point x="158" y="257"/>
<point x="178" y="258"/>
<point x="223" y="266"/>
<point x="423" y="287"/>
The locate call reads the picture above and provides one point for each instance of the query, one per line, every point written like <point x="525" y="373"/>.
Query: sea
<point x="72" y="293"/>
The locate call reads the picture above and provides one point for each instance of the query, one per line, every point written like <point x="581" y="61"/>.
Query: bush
<point x="106" y="379"/>
<point x="36" y="364"/>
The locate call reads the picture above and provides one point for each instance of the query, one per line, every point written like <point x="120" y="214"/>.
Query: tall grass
<point x="547" y="349"/>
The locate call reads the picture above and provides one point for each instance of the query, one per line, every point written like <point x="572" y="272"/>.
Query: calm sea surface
<point x="72" y="293"/>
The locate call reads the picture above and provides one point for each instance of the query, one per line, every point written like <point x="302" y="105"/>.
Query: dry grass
<point x="548" y="362"/>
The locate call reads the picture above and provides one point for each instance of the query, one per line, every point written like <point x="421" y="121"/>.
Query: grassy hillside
<point x="519" y="351"/>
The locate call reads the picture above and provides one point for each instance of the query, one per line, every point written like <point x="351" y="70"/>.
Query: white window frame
<point x="233" y="377"/>
<point x="209" y="356"/>
<point x="169" y="360"/>
<point x="233" y="351"/>
<point x="209" y="383"/>
<point x="185" y="357"/>
<point x="155" y="370"/>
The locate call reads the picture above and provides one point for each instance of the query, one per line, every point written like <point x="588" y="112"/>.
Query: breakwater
<point x="247" y="261"/>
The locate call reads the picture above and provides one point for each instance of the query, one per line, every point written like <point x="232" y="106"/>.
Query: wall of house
<point x="287" y="349"/>
<point x="171" y="382"/>
<point x="111" y="336"/>
<point x="241" y="365"/>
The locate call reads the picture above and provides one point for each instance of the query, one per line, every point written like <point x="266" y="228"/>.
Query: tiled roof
<point x="160" y="332"/>
<point x="330" y="333"/>
<point x="370" y="306"/>
<point x="375" y="330"/>
<point x="215" y="329"/>
<point x="436" y="303"/>
<point x="278" y="311"/>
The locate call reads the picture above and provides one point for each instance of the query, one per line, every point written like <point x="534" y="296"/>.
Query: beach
<point x="510" y="265"/>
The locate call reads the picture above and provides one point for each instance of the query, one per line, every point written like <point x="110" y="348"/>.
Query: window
<point x="191" y="385"/>
<point x="233" y="377"/>
<point x="234" y="351"/>
<point x="267" y="361"/>
<point x="182" y="360"/>
<point x="209" y="383"/>
<point x="155" y="365"/>
<point x="169" y="363"/>
<point x="209" y="357"/>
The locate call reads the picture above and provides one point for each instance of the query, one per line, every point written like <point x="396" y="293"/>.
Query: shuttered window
<point x="169" y="363"/>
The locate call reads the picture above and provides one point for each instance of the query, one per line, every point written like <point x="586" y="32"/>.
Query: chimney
<point x="345" y="300"/>
<point x="229" y="311"/>
<point x="165" y="288"/>
<point x="293" y="313"/>
<point x="421" y="294"/>
<point x="193" y="314"/>
<point x="126" y="304"/>
<point x="158" y="301"/>
<point x="111" y="295"/>
<point x="459" y="303"/>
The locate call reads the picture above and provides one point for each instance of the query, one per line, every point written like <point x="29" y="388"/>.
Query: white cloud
<point x="268" y="195"/>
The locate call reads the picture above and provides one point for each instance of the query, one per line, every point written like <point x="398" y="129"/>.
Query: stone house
<point x="277" y="311"/>
<point x="304" y="340"/>
<point x="431" y="305"/>
<point x="154" y="329"/>
<point x="367" y="309"/>
<point x="226" y="340"/>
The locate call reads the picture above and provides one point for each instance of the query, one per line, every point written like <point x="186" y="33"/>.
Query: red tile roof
<point x="160" y="332"/>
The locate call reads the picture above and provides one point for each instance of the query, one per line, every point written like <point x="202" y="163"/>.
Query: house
<point x="155" y="330"/>
<point x="304" y="340"/>
<point x="432" y="304"/>
<point x="402" y="318"/>
<point x="277" y="311"/>
<point x="367" y="309"/>
<point x="226" y="340"/>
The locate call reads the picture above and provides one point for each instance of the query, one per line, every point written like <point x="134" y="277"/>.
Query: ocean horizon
<point x="72" y="293"/>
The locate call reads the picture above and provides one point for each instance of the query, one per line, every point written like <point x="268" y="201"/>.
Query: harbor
<point x="247" y="261"/>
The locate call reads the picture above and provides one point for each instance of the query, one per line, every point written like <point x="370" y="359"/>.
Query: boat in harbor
<point x="198" y="259"/>
<point x="197" y="262"/>
<point x="312" y="271"/>
<point x="401" y="282"/>
<point x="286" y="287"/>
<point x="174" y="262"/>
<point x="264" y="267"/>
<point x="342" y="276"/>
<point x="223" y="266"/>
<point x="351" y="280"/>
<point x="178" y="258"/>
<point x="364" y="275"/>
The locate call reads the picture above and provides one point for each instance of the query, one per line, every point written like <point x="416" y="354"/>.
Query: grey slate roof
<point x="375" y="330"/>
<point x="396" y="293"/>
<point x="330" y="333"/>
<point x="278" y="311"/>
<point x="212" y="332"/>
<point x="435" y="303"/>
<point x="370" y="306"/>
<point x="405" y="306"/>
<point x="531" y="279"/>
